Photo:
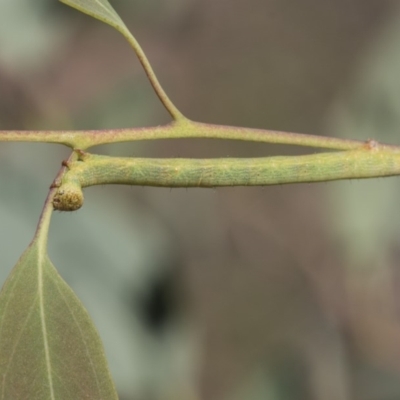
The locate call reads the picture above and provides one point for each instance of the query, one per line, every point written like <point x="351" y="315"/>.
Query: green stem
<point x="354" y="164"/>
<point x="42" y="230"/>
<point x="165" y="100"/>
<point x="104" y="12"/>
<point x="182" y="129"/>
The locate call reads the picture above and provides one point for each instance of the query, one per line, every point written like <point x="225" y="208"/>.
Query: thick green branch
<point x="182" y="129"/>
<point x="368" y="162"/>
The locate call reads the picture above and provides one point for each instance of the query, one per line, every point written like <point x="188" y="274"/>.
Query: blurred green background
<point x="273" y="293"/>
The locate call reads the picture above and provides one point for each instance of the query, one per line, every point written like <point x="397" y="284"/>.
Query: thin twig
<point x="182" y="129"/>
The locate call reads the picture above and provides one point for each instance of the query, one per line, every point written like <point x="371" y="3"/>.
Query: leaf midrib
<point x="43" y="322"/>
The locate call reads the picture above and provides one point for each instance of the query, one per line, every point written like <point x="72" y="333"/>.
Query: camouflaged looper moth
<point x="69" y="197"/>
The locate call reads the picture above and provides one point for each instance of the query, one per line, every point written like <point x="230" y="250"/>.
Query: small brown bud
<point x="69" y="197"/>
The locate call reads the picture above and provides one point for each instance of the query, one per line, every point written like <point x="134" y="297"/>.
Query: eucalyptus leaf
<point x="100" y="9"/>
<point x="49" y="348"/>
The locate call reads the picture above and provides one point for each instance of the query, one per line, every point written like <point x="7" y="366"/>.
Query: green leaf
<point x="100" y="9"/>
<point x="49" y="348"/>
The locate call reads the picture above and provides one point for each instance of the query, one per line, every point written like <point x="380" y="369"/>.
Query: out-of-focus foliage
<point x="369" y="107"/>
<point x="28" y="34"/>
<point x="365" y="226"/>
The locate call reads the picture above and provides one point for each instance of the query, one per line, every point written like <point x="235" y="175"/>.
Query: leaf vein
<point x="43" y="322"/>
<point x="83" y="337"/>
<point x="15" y="347"/>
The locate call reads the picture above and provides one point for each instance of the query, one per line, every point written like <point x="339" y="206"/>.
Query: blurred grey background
<point x="273" y="293"/>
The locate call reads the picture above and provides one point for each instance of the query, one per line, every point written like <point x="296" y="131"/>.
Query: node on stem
<point x="69" y="197"/>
